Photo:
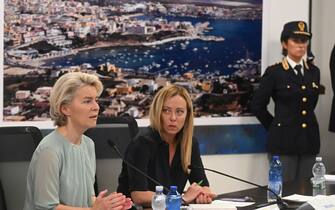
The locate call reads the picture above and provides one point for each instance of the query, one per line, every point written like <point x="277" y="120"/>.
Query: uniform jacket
<point x="293" y="129"/>
<point x="332" y="74"/>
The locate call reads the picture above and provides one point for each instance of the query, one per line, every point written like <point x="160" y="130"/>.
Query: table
<point x="302" y="187"/>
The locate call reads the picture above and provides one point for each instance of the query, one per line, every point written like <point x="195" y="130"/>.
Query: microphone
<point x="113" y="145"/>
<point x="280" y="203"/>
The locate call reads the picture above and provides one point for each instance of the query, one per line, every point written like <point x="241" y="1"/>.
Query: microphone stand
<point x="282" y="205"/>
<point x="113" y="145"/>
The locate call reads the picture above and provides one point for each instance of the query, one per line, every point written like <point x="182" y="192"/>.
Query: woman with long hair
<point x="164" y="151"/>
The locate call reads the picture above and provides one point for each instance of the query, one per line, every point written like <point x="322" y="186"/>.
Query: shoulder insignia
<point x="285" y="64"/>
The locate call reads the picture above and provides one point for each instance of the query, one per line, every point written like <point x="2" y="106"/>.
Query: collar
<point x="286" y="65"/>
<point x="293" y="63"/>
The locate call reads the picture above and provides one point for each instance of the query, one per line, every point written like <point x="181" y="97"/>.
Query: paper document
<point x="330" y="178"/>
<point x="271" y="207"/>
<point x="323" y="202"/>
<point x="212" y="206"/>
<point x="298" y="198"/>
<point x="234" y="203"/>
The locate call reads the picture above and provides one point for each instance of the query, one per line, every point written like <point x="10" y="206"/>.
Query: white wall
<point x="251" y="167"/>
<point x="275" y="15"/>
<point x="323" y="40"/>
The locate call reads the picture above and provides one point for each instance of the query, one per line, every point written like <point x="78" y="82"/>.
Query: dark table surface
<point x="301" y="187"/>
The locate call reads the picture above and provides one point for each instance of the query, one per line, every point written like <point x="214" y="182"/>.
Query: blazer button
<point x="304" y="99"/>
<point x="304" y="112"/>
<point x="288" y="86"/>
<point x="304" y="125"/>
<point x="278" y="124"/>
<point x="303" y="87"/>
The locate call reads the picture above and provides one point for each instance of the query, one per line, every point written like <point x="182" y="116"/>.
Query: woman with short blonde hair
<point x="62" y="169"/>
<point x="64" y="90"/>
<point x="165" y="150"/>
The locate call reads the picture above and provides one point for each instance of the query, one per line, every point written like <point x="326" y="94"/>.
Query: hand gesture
<point x="206" y="196"/>
<point x="113" y="201"/>
<point x="193" y="191"/>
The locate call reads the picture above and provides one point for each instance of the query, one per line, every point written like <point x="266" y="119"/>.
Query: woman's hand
<point x="206" y="196"/>
<point x="193" y="191"/>
<point x="113" y="201"/>
<point x="128" y="204"/>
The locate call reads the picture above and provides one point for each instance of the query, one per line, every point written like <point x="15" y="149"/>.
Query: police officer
<point x="293" y="84"/>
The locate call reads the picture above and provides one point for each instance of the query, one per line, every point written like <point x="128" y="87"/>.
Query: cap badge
<point x="301" y="26"/>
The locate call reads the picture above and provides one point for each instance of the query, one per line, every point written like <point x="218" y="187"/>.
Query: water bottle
<point x="173" y="199"/>
<point x="159" y="199"/>
<point x="275" y="179"/>
<point x="318" y="180"/>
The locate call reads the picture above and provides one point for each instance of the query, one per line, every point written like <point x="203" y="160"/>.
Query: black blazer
<point x="332" y="75"/>
<point x="294" y="128"/>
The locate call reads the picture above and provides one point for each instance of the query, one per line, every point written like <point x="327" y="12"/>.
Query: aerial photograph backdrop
<point x="210" y="47"/>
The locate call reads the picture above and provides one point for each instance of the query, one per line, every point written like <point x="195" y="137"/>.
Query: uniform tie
<point x="298" y="68"/>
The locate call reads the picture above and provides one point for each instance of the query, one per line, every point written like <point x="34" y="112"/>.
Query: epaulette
<point x="285" y="64"/>
<point x="306" y="64"/>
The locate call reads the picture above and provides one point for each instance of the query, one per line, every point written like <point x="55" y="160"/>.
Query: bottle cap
<point x="275" y="157"/>
<point x="173" y="188"/>
<point x="159" y="188"/>
<point x="318" y="158"/>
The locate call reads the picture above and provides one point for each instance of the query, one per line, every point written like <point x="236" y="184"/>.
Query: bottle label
<point x="319" y="184"/>
<point x="276" y="187"/>
<point x="173" y="202"/>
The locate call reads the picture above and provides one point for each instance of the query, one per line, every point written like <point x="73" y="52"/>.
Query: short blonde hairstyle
<point x="64" y="90"/>
<point x="186" y="134"/>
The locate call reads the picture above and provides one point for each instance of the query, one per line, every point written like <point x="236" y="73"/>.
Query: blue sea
<point x="242" y="40"/>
